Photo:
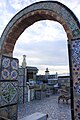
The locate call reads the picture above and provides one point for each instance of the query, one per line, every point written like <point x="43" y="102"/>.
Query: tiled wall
<point x="23" y="95"/>
<point x="75" y="54"/>
<point x="9" y="87"/>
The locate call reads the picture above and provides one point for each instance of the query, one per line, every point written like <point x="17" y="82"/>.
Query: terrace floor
<point x="48" y="105"/>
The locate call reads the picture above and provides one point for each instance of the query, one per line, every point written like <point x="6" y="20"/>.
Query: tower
<point x="24" y="61"/>
<point x="47" y="71"/>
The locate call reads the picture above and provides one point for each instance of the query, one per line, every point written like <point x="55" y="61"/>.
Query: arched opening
<point x="46" y="10"/>
<point x="38" y="44"/>
<point x="51" y="40"/>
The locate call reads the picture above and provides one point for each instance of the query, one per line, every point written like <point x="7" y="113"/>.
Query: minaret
<point x="56" y="75"/>
<point x="24" y="61"/>
<point x="47" y="71"/>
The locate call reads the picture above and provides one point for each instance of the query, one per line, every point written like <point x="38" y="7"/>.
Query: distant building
<point x="64" y="81"/>
<point x="31" y="73"/>
<point x="28" y="72"/>
<point x="47" y="78"/>
<point x="53" y="79"/>
<point x="40" y="79"/>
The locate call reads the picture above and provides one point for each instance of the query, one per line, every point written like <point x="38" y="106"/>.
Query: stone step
<point x="35" y="116"/>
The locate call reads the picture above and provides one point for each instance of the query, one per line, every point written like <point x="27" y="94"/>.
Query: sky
<point x="45" y="42"/>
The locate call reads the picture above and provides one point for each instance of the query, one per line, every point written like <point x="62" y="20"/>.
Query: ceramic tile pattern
<point x="58" y="9"/>
<point x="9" y="112"/>
<point x="9" y="94"/>
<point x="23" y="95"/>
<point x="9" y="68"/>
<point x="75" y="44"/>
<point x="9" y="87"/>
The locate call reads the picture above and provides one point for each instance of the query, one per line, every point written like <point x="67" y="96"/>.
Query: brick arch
<point x="56" y="11"/>
<point x="51" y="10"/>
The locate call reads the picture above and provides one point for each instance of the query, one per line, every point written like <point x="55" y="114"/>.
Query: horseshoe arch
<point x="51" y="10"/>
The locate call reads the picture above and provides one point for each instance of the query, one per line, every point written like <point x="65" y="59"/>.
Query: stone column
<point x="25" y="79"/>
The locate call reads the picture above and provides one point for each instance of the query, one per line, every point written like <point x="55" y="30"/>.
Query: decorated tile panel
<point x="8" y="93"/>
<point x="68" y="19"/>
<point x="22" y="86"/>
<point x="13" y="92"/>
<point x="20" y="80"/>
<point x="61" y="11"/>
<point x="21" y="71"/>
<point x="75" y="44"/>
<point x="4" y="93"/>
<point x="14" y="69"/>
<point x="20" y="101"/>
<point x="20" y="92"/>
<point x="9" y="112"/>
<point x="25" y="94"/>
<point x="13" y="112"/>
<point x="25" y="89"/>
<point x="70" y="22"/>
<point x="5" y="68"/>
<point x="25" y="98"/>
<point x="4" y="112"/>
<point x="9" y="68"/>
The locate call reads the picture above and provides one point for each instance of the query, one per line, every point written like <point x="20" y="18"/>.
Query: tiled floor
<point x="47" y="105"/>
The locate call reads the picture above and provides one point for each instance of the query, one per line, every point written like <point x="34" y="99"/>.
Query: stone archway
<point x="56" y="11"/>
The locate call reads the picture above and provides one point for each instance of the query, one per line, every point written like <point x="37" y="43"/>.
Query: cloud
<point x="53" y="69"/>
<point x="74" y="6"/>
<point x="6" y="14"/>
<point x="19" y="4"/>
<point x="47" y="52"/>
<point x="43" y="30"/>
<point x="45" y="44"/>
